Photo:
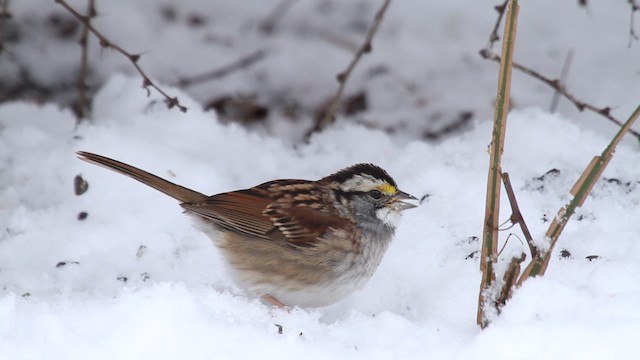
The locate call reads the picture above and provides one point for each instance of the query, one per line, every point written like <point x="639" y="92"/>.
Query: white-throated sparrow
<point x="294" y="242"/>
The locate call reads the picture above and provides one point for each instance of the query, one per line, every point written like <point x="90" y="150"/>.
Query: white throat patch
<point x="388" y="216"/>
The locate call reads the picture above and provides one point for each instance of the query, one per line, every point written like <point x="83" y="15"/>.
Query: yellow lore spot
<point x="387" y="188"/>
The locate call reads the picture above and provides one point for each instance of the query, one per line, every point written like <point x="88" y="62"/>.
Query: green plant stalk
<point x="492" y="207"/>
<point x="580" y="190"/>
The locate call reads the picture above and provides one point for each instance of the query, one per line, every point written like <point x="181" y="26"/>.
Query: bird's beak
<point x="396" y="202"/>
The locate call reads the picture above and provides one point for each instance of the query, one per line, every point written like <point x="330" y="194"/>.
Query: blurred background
<point x="271" y="65"/>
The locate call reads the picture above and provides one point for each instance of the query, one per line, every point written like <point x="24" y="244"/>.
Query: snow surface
<point x="135" y="279"/>
<point x="178" y="302"/>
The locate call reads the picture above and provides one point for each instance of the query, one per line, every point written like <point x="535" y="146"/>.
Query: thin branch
<point x="605" y="112"/>
<point x="343" y="77"/>
<point x="337" y="39"/>
<point x="555" y="84"/>
<point x="563" y="80"/>
<point x="84" y="64"/>
<point x="4" y="16"/>
<point x="506" y="242"/>
<point x="239" y="64"/>
<point x="133" y="58"/>
<point x="632" y="32"/>
<point x="511" y="224"/>
<point x="494" y="33"/>
<point x="516" y="215"/>
<point x="269" y="23"/>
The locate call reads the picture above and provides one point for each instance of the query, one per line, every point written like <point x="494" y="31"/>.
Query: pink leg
<point x="273" y="301"/>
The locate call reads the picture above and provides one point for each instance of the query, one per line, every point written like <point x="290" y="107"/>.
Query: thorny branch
<point x="133" y="58"/>
<point x="555" y="84"/>
<point x="343" y="77"/>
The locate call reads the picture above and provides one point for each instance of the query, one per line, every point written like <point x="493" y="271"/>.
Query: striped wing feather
<point x="255" y="212"/>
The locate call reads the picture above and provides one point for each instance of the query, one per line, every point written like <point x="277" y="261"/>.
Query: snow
<point x="179" y="301"/>
<point x="136" y="280"/>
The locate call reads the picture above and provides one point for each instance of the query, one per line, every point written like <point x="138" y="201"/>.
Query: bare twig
<point x="239" y="64"/>
<point x="516" y="215"/>
<point x="506" y="242"/>
<point x="563" y="79"/>
<point x="133" y="58"/>
<point x="343" y="77"/>
<point x="337" y="39"/>
<point x="494" y="33"/>
<point x="555" y="84"/>
<point x="4" y="15"/>
<point x="632" y="32"/>
<point x="511" y="224"/>
<point x="269" y="23"/>
<point x="84" y="64"/>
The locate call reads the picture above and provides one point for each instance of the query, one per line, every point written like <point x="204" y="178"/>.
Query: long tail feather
<point x="178" y="192"/>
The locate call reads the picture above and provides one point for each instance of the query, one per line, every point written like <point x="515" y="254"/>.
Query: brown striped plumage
<point x="294" y="242"/>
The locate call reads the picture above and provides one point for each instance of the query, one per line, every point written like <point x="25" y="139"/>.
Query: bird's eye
<point x="376" y="194"/>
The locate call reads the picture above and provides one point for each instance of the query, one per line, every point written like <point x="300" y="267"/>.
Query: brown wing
<point x="270" y="211"/>
<point x="300" y="224"/>
<point x="240" y="211"/>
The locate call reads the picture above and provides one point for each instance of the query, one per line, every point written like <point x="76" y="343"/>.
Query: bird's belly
<point x="305" y="277"/>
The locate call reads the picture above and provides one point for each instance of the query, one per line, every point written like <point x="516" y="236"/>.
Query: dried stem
<point x="509" y="280"/>
<point x="516" y="216"/>
<point x="555" y="84"/>
<point x="487" y="304"/>
<point x="133" y="58"/>
<point x="343" y="77"/>
<point x="239" y="64"/>
<point x="82" y="104"/>
<point x="580" y="190"/>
